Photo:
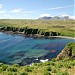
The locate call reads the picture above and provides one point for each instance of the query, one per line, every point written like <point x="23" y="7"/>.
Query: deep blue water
<point x="22" y="50"/>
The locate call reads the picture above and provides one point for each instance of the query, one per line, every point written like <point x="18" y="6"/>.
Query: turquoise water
<point x="24" y="50"/>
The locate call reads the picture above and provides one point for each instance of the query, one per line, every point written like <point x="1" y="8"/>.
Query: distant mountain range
<point x="55" y="18"/>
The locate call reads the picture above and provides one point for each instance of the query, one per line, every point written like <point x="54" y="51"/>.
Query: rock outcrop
<point x="68" y="51"/>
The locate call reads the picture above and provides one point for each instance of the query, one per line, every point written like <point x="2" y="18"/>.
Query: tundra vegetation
<point x="42" y="27"/>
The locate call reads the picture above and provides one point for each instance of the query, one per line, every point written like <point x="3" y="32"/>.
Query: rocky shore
<point x="36" y="35"/>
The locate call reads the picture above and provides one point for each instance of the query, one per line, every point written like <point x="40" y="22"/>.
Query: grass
<point x="66" y="28"/>
<point x="61" y="67"/>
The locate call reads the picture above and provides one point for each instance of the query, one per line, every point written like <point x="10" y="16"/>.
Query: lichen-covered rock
<point x="68" y="51"/>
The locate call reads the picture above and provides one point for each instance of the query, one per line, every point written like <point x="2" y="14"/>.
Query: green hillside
<point x="64" y="27"/>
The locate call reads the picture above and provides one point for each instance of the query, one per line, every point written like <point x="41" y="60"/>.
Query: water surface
<point x="19" y="49"/>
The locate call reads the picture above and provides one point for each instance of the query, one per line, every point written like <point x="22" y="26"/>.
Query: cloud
<point x="1" y="5"/>
<point x="12" y="16"/>
<point x="15" y="13"/>
<point x="61" y="7"/>
<point x="43" y="15"/>
<point x="27" y="12"/>
<point x="19" y="10"/>
<point x="64" y="15"/>
<point x="71" y="17"/>
<point x="2" y="12"/>
<point x="5" y="16"/>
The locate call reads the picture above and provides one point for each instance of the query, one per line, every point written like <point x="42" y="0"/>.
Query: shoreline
<point x="36" y="35"/>
<point x="66" y="37"/>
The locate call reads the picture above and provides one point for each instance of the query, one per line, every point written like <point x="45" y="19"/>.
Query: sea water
<point x="24" y="50"/>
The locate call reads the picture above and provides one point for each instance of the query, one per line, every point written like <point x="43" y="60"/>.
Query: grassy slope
<point x="65" y="66"/>
<point x="64" y="27"/>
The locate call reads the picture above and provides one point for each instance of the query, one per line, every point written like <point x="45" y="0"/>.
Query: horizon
<point x="69" y="18"/>
<point x="21" y="9"/>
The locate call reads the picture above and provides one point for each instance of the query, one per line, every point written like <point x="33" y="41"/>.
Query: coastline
<point x="36" y="35"/>
<point x="66" y="37"/>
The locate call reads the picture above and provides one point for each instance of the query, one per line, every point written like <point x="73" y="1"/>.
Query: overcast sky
<point x="32" y="9"/>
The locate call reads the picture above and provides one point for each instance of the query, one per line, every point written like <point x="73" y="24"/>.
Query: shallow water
<point x="22" y="50"/>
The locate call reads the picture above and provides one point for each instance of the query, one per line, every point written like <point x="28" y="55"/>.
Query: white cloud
<point x="15" y="14"/>
<point x="19" y="10"/>
<point x="10" y="16"/>
<point x="5" y="16"/>
<point x="1" y="5"/>
<point x="43" y="15"/>
<point x="64" y="15"/>
<point x="27" y="12"/>
<point x="71" y="17"/>
<point x="61" y="7"/>
<point x="2" y="12"/>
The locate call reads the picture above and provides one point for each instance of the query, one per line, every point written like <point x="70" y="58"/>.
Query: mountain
<point x="55" y="18"/>
<point x="45" y="18"/>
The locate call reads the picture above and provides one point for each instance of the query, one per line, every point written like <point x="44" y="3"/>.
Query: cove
<point x="24" y="50"/>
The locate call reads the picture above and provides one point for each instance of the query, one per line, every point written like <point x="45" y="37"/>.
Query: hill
<point x="64" y="27"/>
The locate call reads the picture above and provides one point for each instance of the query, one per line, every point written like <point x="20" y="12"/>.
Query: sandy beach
<point x="62" y="37"/>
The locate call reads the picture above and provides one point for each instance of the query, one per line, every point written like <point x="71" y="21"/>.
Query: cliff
<point x="68" y="51"/>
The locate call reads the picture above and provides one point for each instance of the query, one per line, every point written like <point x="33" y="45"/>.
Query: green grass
<point x="66" y="28"/>
<point x="61" y="67"/>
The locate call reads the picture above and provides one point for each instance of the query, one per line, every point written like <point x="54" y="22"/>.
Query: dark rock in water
<point x="3" y="62"/>
<point x="47" y="56"/>
<point x="20" y="54"/>
<point x="28" y="61"/>
<point x="52" y="51"/>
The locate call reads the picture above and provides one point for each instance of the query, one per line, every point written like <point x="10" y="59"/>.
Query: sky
<point x="33" y="9"/>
